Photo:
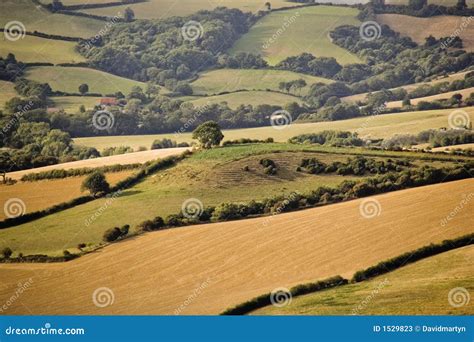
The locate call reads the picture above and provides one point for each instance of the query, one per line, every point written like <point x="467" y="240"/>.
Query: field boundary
<point x="337" y="281"/>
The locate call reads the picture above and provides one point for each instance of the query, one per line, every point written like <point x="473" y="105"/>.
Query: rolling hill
<point x="288" y="33"/>
<point x="439" y="26"/>
<point x="234" y="261"/>
<point x="41" y="50"/>
<point x="68" y="79"/>
<point x="464" y="92"/>
<point x="381" y="126"/>
<point x="417" y="289"/>
<point x="253" y="98"/>
<point x="229" y="80"/>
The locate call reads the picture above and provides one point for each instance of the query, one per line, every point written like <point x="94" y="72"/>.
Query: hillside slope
<point x="421" y="288"/>
<point x="208" y="268"/>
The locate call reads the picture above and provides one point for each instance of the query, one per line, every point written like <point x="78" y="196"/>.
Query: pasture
<point x="68" y="79"/>
<point x="235" y="260"/>
<point x="71" y="104"/>
<point x="421" y="288"/>
<point x="7" y="91"/>
<point x="41" y="50"/>
<point x="253" y="98"/>
<point x="229" y="80"/>
<point x="288" y="33"/>
<point x="373" y="127"/>
<point x="35" y="18"/>
<point x="439" y="26"/>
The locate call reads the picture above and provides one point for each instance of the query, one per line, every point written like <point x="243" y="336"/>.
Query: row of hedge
<point x="371" y="272"/>
<point x="48" y="36"/>
<point x="99" y="5"/>
<point x="61" y="173"/>
<point x="267" y="299"/>
<point x="411" y="257"/>
<point x="124" y="184"/>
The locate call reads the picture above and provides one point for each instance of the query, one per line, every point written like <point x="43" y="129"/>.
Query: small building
<point x="108" y="101"/>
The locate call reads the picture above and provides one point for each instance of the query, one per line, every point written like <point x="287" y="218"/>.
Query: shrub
<point x="7" y="252"/>
<point x="115" y="233"/>
<point x="81" y="246"/>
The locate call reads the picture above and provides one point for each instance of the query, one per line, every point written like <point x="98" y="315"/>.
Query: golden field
<point x="228" y="263"/>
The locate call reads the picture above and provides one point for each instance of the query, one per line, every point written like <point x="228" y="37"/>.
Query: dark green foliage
<point x="410" y="257"/>
<point x="208" y="134"/>
<point x="7" y="252"/>
<point x="332" y="138"/>
<point x="10" y="68"/>
<point x="96" y="183"/>
<point x="115" y="233"/>
<point x="167" y="143"/>
<point x="308" y="64"/>
<point x="269" y="166"/>
<point x="242" y="141"/>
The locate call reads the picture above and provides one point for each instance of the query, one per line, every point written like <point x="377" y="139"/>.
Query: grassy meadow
<point x="7" y="91"/>
<point x="238" y="260"/>
<point x="35" y="18"/>
<point x="308" y="33"/>
<point x="34" y="49"/>
<point x="421" y="288"/>
<point x="374" y="127"/>
<point x="68" y="79"/>
<point x="440" y="26"/>
<point x="71" y="104"/>
<point x="253" y="98"/>
<point x="217" y="81"/>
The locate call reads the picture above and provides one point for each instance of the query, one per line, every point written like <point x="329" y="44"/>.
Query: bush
<point x="115" y="233"/>
<point x="96" y="183"/>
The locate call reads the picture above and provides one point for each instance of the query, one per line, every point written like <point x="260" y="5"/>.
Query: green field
<point x="37" y="19"/>
<point x="216" y="81"/>
<point x="421" y="288"/>
<point x="308" y="33"/>
<point x="34" y="49"/>
<point x="7" y="91"/>
<point x="253" y="98"/>
<point x="381" y="126"/>
<point x="157" y="9"/>
<point x="71" y="104"/>
<point x="212" y="176"/>
<point x="68" y="79"/>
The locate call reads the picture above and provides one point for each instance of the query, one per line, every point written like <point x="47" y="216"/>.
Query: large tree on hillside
<point x="95" y="183"/>
<point x="208" y="134"/>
